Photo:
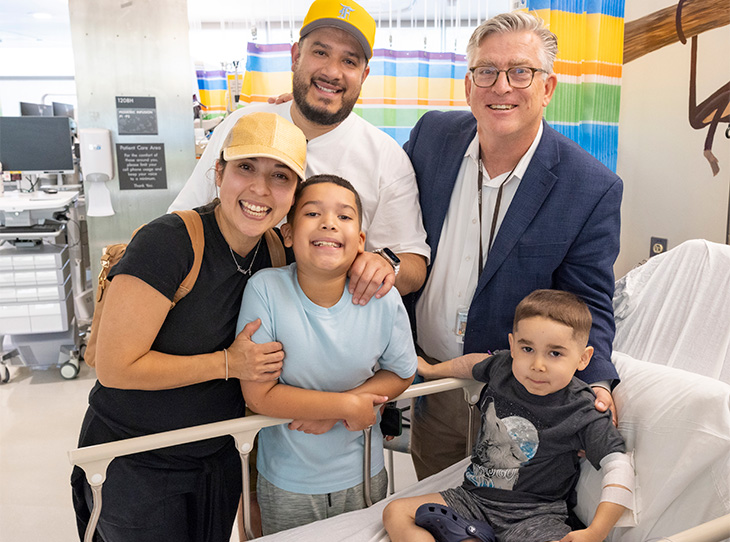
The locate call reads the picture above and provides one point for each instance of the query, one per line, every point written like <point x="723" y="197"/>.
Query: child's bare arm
<point x="282" y="401"/>
<point x="617" y="495"/>
<point x="384" y="382"/>
<point x="454" y="368"/>
<point x="312" y="427"/>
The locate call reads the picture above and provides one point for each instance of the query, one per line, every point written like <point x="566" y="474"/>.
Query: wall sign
<point x="136" y="115"/>
<point x="141" y="166"/>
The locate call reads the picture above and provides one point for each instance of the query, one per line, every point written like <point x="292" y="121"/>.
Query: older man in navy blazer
<point x="509" y="206"/>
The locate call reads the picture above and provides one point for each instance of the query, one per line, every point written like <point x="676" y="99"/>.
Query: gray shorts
<point x="281" y="510"/>
<point x="512" y="522"/>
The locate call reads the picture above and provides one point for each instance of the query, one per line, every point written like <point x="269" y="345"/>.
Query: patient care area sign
<point x="141" y="166"/>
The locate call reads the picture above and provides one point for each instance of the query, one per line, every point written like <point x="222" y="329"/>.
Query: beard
<point x="300" y="88"/>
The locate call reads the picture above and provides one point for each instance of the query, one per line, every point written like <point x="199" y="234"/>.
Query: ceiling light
<point x="42" y="15"/>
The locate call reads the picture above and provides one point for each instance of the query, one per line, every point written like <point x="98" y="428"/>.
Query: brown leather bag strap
<point x="194" y="225"/>
<point x="276" y="248"/>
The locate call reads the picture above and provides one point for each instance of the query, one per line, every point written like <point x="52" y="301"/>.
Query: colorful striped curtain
<point x="590" y="40"/>
<point x="212" y="92"/>
<point x="268" y="72"/>
<point x="403" y="85"/>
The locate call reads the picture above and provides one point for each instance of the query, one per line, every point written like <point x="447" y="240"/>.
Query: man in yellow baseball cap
<point x="330" y="63"/>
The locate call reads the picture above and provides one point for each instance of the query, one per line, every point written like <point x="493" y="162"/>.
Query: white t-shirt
<point x="455" y="271"/>
<point x="355" y="150"/>
<point x="328" y="349"/>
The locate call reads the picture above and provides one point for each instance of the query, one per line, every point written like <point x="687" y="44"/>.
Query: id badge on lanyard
<point x="462" y="313"/>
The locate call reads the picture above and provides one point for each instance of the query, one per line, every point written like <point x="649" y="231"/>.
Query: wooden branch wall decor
<point x="687" y="19"/>
<point x="658" y="29"/>
<point x="712" y="111"/>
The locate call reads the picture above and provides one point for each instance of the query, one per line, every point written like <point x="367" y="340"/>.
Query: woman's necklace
<point x="250" y="266"/>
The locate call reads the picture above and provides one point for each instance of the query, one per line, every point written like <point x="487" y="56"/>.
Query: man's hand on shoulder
<point x="281" y="98"/>
<point x="604" y="401"/>
<point x="370" y="274"/>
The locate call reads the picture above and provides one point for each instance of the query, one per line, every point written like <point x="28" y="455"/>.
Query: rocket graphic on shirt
<point x="504" y="445"/>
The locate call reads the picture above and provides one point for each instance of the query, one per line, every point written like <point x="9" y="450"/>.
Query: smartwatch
<point x="390" y="257"/>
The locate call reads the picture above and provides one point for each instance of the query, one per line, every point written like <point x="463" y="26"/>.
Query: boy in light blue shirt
<point x="342" y="361"/>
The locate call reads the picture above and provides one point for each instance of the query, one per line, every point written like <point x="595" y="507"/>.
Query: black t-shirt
<point x="204" y="321"/>
<point x="528" y="444"/>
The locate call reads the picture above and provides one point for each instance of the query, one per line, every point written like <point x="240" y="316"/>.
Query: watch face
<point x="391" y="256"/>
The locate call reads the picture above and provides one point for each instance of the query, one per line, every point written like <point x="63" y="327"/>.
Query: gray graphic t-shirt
<point x="528" y="445"/>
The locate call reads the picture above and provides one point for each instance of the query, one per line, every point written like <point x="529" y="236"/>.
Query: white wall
<point x="669" y="188"/>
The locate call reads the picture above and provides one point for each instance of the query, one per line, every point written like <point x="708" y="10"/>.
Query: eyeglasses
<point x="517" y="77"/>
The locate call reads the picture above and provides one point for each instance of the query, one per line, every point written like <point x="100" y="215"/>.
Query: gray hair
<point x="516" y="21"/>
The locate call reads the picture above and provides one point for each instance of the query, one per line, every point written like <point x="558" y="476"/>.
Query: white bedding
<point x="675" y="309"/>
<point x="678" y="425"/>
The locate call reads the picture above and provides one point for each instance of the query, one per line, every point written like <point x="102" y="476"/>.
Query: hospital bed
<point x="671" y="351"/>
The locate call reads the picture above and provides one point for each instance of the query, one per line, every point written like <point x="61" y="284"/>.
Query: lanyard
<point x="494" y="216"/>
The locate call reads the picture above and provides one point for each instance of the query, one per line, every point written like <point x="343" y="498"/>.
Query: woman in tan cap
<point x="161" y="369"/>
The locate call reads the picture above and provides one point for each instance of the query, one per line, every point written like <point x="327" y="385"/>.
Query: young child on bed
<point x="536" y="416"/>
<point x="342" y="361"/>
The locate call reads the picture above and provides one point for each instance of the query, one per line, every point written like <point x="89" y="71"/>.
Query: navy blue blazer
<point x="561" y="231"/>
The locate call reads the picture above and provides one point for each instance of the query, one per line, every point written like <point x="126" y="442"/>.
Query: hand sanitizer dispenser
<point x="97" y="169"/>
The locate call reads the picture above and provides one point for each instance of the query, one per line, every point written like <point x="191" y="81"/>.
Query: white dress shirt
<point x="455" y="271"/>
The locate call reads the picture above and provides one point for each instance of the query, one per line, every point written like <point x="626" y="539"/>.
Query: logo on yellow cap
<point x="345" y="12"/>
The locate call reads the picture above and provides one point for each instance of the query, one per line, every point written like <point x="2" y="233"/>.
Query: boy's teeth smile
<point x="501" y="107"/>
<point x="326" y="244"/>
<point x="253" y="209"/>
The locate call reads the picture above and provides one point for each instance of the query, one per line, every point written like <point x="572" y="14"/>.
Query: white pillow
<point x="678" y="425"/>
<point x="675" y="309"/>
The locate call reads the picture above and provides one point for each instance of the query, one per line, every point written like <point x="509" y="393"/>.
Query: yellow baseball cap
<point x="267" y="135"/>
<point x="344" y="14"/>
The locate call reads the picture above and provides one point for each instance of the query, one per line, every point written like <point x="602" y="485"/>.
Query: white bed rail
<point x="716" y="530"/>
<point x="94" y="460"/>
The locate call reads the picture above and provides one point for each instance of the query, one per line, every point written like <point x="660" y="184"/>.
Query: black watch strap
<point x="390" y="257"/>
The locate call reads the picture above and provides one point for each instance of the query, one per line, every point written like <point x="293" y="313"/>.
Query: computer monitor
<point x="28" y="109"/>
<point x="63" y="110"/>
<point x="36" y="145"/>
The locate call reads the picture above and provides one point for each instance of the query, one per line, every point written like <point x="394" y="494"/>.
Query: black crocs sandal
<point x="447" y="526"/>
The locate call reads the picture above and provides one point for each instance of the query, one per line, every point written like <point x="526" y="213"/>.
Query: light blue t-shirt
<point x="328" y="349"/>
